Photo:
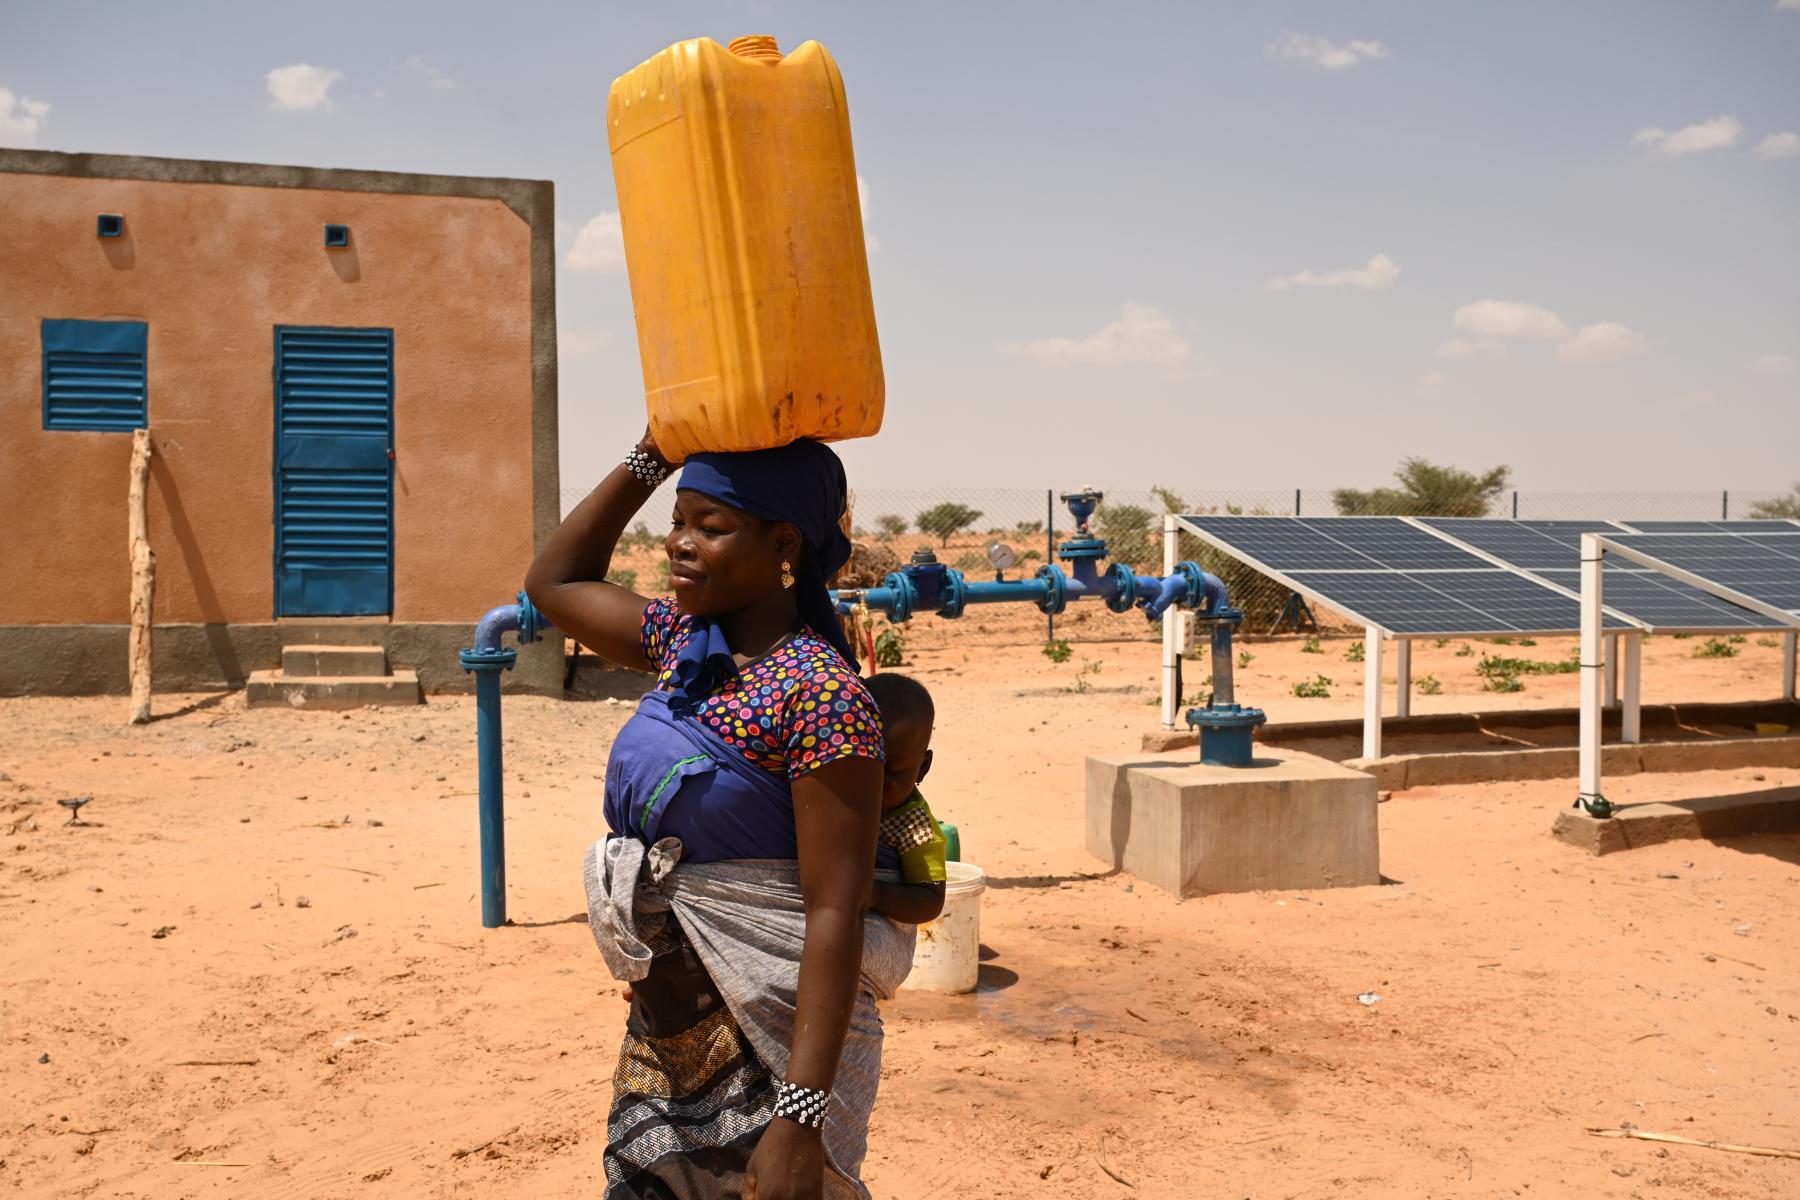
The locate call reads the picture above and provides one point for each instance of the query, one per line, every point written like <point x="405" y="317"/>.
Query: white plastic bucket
<point x="947" y="957"/>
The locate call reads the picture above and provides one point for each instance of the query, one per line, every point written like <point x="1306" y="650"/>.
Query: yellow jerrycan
<point x="744" y="243"/>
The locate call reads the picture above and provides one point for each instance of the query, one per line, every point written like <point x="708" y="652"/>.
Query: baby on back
<point x="907" y="823"/>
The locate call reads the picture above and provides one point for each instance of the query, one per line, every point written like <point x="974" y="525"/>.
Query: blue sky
<point x="1204" y="244"/>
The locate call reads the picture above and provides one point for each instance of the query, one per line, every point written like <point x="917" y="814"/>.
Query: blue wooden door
<point x="334" y="471"/>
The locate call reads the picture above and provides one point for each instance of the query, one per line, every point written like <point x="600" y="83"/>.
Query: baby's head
<point x="907" y="715"/>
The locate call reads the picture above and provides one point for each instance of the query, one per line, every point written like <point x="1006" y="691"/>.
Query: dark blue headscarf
<point x="802" y="482"/>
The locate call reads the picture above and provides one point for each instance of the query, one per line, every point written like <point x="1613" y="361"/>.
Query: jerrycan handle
<point x="757" y="45"/>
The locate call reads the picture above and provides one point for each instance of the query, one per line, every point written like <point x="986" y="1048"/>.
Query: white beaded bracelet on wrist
<point x="647" y="470"/>
<point x="801" y="1105"/>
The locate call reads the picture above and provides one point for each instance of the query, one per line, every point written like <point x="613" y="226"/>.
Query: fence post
<point x="1515" y="504"/>
<point x="1296" y="502"/>
<point x="1050" y="553"/>
<point x="1724" y="506"/>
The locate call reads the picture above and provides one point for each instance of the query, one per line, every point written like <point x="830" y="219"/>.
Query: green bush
<point x="1316" y="688"/>
<point x="890" y="649"/>
<point x="1356" y="653"/>
<point x="1311" y="646"/>
<point x="891" y="525"/>
<point x="1715" y="648"/>
<point x="1057" y="651"/>
<point x="1466" y="651"/>
<point x="1428" y="685"/>
<point x="1245" y="658"/>
<point x="946" y="520"/>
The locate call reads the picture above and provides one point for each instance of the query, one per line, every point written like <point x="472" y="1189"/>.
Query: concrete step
<point x="266" y="688"/>
<point x="316" y="660"/>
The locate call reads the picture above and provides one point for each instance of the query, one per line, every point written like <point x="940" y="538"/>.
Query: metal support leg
<point x="1171" y="636"/>
<point x="1788" y="640"/>
<point x="1371" y="692"/>
<point x="1630" y="723"/>
<point x="1402" y="677"/>
<point x="1610" y="656"/>
<point x="1593" y="671"/>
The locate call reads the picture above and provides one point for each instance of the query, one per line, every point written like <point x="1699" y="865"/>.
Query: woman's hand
<point x="788" y="1163"/>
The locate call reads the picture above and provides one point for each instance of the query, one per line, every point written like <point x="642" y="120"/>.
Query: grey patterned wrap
<point x="746" y="921"/>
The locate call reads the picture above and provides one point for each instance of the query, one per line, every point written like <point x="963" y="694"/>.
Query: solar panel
<point x="1764" y="568"/>
<point x="1388" y="572"/>
<point x="1528" y="544"/>
<point x="1448" y="603"/>
<point x="1662" y="602"/>
<point x="1552" y="550"/>
<point x="1338" y="543"/>
<point x="1712" y="526"/>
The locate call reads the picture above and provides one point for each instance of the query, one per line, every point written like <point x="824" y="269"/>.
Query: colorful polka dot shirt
<point x="796" y="708"/>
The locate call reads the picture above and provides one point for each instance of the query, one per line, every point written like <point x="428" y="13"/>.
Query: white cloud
<point x="1793" y="4"/>
<point x="862" y="200"/>
<point x="20" y="119"/>
<point x="1776" y="364"/>
<point x="1141" y="334"/>
<point x="1699" y="399"/>
<point x="1378" y="273"/>
<point x="301" y="87"/>
<point x="599" y="247"/>
<point x="571" y="343"/>
<point x="1509" y="318"/>
<point x="1713" y="134"/>
<point x="1600" y="343"/>
<point x="433" y="77"/>
<point x="1779" y="145"/>
<point x="1431" y="379"/>
<point x="1486" y="347"/>
<point x="1333" y="57"/>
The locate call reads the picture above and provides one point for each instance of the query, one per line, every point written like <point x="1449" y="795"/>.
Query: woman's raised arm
<point x="567" y="580"/>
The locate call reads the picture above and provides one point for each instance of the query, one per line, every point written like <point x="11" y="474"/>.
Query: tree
<point x="1781" y="508"/>
<point x="891" y="525"/>
<point x="1426" y="490"/>
<point x="1126" y="527"/>
<point x="946" y="520"/>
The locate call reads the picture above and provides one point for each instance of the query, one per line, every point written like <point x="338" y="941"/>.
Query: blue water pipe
<point x="487" y="658"/>
<point x="927" y="585"/>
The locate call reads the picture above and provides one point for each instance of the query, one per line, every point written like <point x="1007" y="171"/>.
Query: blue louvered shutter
<point x="334" y="433"/>
<point x="95" y="375"/>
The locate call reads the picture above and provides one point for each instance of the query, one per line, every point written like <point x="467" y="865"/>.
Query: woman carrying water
<point x="742" y="800"/>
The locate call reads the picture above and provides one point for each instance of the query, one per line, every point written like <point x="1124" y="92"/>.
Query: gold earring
<point x="787" y="574"/>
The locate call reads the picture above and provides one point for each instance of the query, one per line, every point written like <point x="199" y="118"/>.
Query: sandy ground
<point x="325" y="1010"/>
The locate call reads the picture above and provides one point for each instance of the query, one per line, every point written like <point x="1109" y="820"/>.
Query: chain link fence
<point x="959" y="524"/>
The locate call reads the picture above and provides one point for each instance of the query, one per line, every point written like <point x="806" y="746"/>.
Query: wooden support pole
<point x="143" y="577"/>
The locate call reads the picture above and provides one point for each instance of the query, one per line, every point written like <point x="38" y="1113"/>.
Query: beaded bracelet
<point x="801" y="1105"/>
<point x="647" y="470"/>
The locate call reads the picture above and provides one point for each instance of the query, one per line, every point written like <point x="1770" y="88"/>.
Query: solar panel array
<point x="1388" y="572"/>
<point x="1551" y="550"/>
<point x="1758" y="566"/>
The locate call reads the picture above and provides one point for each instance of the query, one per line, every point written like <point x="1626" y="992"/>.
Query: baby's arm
<point x="912" y="903"/>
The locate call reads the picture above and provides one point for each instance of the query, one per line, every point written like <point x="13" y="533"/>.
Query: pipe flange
<point x="487" y="660"/>
<point x="1056" y="593"/>
<point x="1124" y="590"/>
<point x="1196" y="585"/>
<point x="531" y="622"/>
<point x="953" y="596"/>
<point x="906" y="597"/>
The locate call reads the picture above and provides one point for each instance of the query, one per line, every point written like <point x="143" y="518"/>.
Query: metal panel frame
<point x="1639" y="622"/>
<point x="1783" y="618"/>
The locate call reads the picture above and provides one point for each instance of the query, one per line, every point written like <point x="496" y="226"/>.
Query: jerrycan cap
<point x="756" y="45"/>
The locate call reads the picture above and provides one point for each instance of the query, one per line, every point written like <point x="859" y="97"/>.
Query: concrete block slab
<point x="313" y="660"/>
<point x="1774" y="810"/>
<point x="269" y="688"/>
<point x="1291" y="821"/>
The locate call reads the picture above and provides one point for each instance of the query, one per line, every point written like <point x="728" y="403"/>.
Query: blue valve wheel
<point x="1124" y="588"/>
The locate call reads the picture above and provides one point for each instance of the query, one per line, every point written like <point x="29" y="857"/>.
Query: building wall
<point x="214" y="257"/>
